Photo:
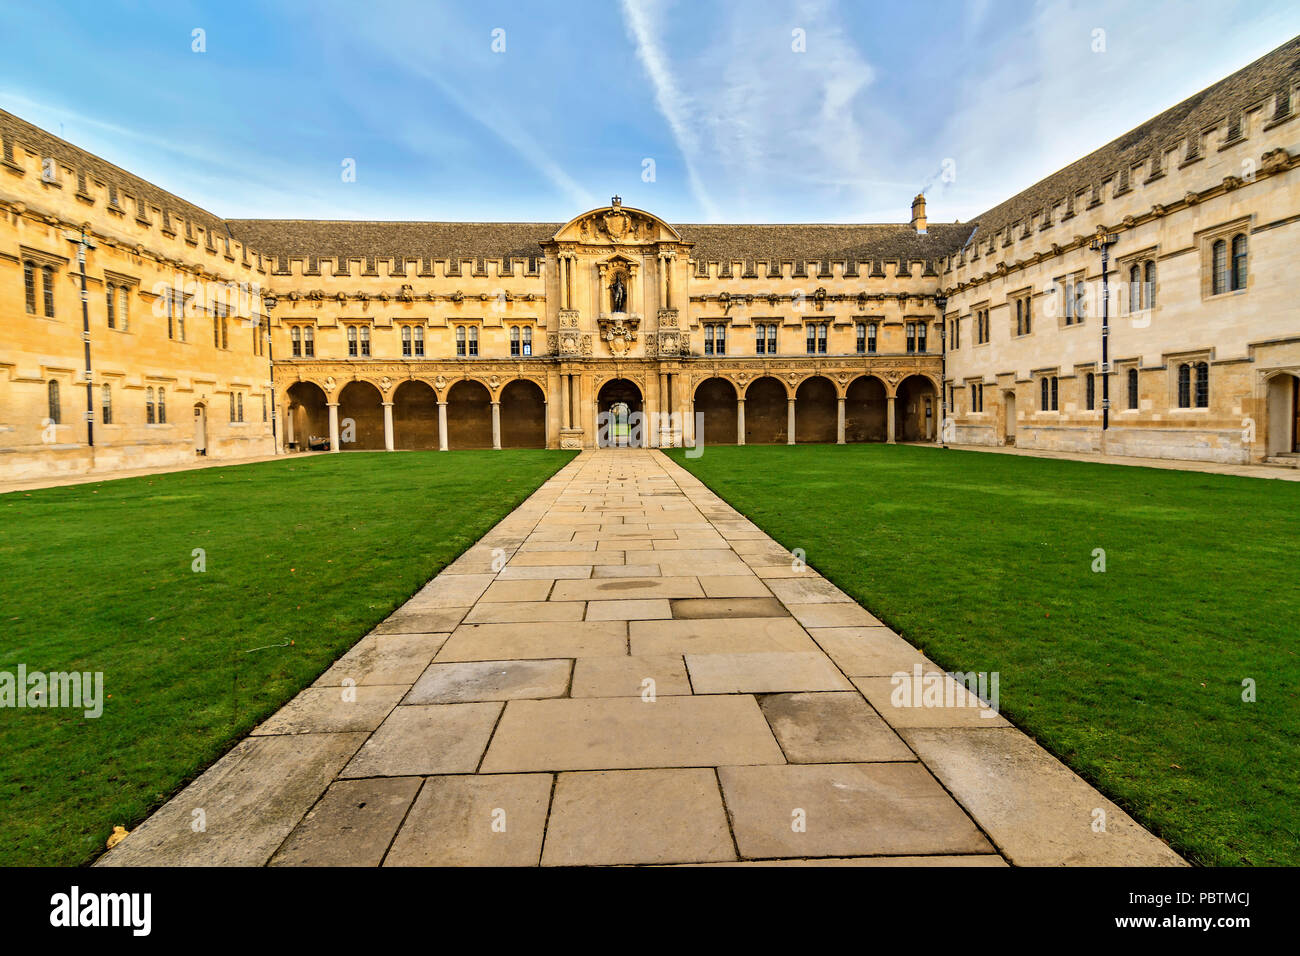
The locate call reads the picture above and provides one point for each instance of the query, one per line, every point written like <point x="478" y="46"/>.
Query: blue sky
<point x="740" y="126"/>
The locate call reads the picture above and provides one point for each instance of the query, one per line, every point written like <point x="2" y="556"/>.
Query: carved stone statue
<point x="618" y="294"/>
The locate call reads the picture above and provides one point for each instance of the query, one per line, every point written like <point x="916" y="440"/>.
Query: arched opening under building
<point x="1283" y="415"/>
<point x="523" y="415"/>
<point x="865" y="410"/>
<point x="816" y="411"/>
<point x="469" y="415"/>
<point x="715" y="400"/>
<point x="620" y="415"/>
<point x="1008" y="418"/>
<point x="765" y="412"/>
<point x="914" y="410"/>
<point x="361" y="417"/>
<point x="307" y="420"/>
<point x="415" y="416"/>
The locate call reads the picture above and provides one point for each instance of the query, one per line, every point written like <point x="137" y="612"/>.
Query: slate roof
<point x="1253" y="85"/>
<point x="15" y="131"/>
<point x="491" y="240"/>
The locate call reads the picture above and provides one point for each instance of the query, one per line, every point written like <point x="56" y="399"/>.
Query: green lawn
<point x="1133" y="676"/>
<point x="304" y="556"/>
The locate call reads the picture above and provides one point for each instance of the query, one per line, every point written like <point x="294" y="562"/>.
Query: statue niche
<point x="618" y="294"/>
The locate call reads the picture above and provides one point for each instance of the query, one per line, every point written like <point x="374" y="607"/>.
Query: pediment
<point x="617" y="224"/>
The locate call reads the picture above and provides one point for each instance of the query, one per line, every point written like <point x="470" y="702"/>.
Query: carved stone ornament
<point x="385" y="383"/>
<point x="619" y="329"/>
<point x="329" y="383"/>
<point x="440" y="382"/>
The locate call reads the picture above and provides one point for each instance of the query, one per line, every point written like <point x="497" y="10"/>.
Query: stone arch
<point x="306" y="419"/>
<point x="715" y="400"/>
<point x="816" y="410"/>
<point x="766" y="411"/>
<point x="1282" y="410"/>
<point x="614" y="397"/>
<point x="361" y="417"/>
<point x="469" y="415"/>
<point x="415" y="415"/>
<point x="916" y="409"/>
<point x="523" y="414"/>
<point x="866" y="410"/>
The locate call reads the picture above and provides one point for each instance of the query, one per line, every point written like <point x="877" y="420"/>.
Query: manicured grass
<point x="1133" y="676"/>
<point x="304" y="556"/>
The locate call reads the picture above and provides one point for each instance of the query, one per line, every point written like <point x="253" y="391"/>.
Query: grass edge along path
<point x="1132" y="677"/>
<point x="300" y="559"/>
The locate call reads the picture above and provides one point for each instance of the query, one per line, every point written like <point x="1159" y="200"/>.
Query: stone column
<point x="334" y="425"/>
<point x="839" y="424"/>
<point x="665" y="435"/>
<point x="562" y="279"/>
<point x="496" y="425"/>
<point x="388" y="426"/>
<point x="288" y="427"/>
<point x="740" y="420"/>
<point x="565" y="419"/>
<point x="442" y="426"/>
<point x="789" y="421"/>
<point x="889" y="420"/>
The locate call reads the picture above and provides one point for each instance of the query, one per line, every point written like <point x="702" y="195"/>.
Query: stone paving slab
<point x="489" y="680"/>
<point x="353" y="824"/>
<point x="621" y="732"/>
<point x="645" y="816"/>
<point x="1037" y="810"/>
<point x="426" y="739"/>
<point x="831" y="728"/>
<point x="250" y="800"/>
<point x="627" y="676"/>
<point x="847" y="810"/>
<point x="475" y="820"/>
<point x="649" y="679"/>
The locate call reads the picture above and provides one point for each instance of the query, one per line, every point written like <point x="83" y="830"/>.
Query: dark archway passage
<point x="469" y="416"/>
<point x="361" y="417"/>
<point x="816" y="411"/>
<point x="765" y="412"/>
<point x="715" y="399"/>
<point x="620" y="415"/>
<point x="865" y="410"/>
<point x="914" y="410"/>
<point x="415" y="416"/>
<point x="523" y="415"/>
<point x="307" y="418"/>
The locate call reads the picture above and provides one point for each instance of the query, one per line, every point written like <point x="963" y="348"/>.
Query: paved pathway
<point x="91" y="477"/>
<point x="1280" y="472"/>
<point x="627" y="671"/>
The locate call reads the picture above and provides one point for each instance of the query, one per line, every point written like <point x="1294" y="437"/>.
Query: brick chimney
<point x="918" y="213"/>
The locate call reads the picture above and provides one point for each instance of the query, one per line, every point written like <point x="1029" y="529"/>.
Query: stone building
<point x="617" y="326"/>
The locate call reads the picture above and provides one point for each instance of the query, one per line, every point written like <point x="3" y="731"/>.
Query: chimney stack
<point x="918" y="213"/>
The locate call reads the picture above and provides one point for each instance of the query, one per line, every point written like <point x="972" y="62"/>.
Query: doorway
<point x="1008" y="418"/>
<point x="619" y="415"/>
<point x="200" y="430"/>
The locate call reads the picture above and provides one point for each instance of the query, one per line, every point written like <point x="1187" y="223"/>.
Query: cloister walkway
<point x="627" y="671"/>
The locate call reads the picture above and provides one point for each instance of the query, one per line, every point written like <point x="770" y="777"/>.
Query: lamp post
<point x="1102" y="243"/>
<point x="83" y="244"/>
<point x="269" y="302"/>
<point x="940" y="303"/>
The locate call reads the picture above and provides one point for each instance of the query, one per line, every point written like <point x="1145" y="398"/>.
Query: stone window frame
<point x="358" y="333"/>
<point x="471" y="337"/>
<point x="715" y="335"/>
<point x="1205" y="240"/>
<point x="821" y="333"/>
<point x="1022" y="298"/>
<point x="1049" y="387"/>
<point x="521" y="333"/>
<point x="981" y="324"/>
<point x="1067" y="286"/>
<point x="771" y="333"/>
<point x="1122" y="368"/>
<point x="1147" y="260"/>
<point x="975" y="396"/>
<point x="1196" y="360"/>
<point x="870" y="334"/>
<point x="124" y="285"/>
